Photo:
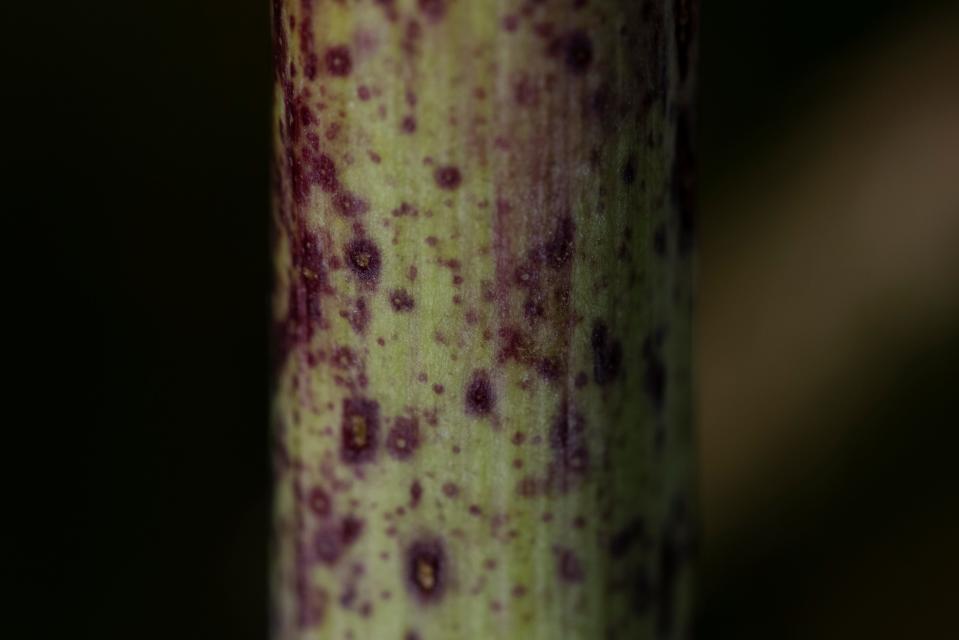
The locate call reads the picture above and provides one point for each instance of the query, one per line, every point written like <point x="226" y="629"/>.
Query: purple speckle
<point x="408" y="124"/>
<point x="569" y="567"/>
<point x="319" y="502"/>
<point x="426" y="569"/>
<point x="448" y="177"/>
<point x="479" y="396"/>
<point x="402" y="301"/>
<point x="363" y="259"/>
<point x="434" y="10"/>
<point x="404" y="438"/>
<point x="338" y="61"/>
<point x="322" y="172"/>
<point x="359" y="430"/>
<point x="416" y="494"/>
<point x="607" y="354"/>
<point x="349" y="204"/>
<point x="577" y="52"/>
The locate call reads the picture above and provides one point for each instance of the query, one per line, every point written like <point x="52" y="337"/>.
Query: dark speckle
<point x="448" y="177"/>
<point x="408" y="124"/>
<point x="654" y="373"/>
<point x="607" y="354"/>
<point x="627" y="537"/>
<point x="363" y="258"/>
<point x="416" y="494"/>
<point x="326" y="546"/>
<point x="350" y="529"/>
<point x="450" y="490"/>
<point x="426" y="569"/>
<point x="359" y="431"/>
<point x="338" y="61"/>
<point x="659" y="241"/>
<point x="404" y="438"/>
<point x="559" y="247"/>
<point x="567" y="439"/>
<point x="629" y="171"/>
<point x="569" y="567"/>
<point x="401" y="300"/>
<point x="578" y="51"/>
<point x="479" y="396"/>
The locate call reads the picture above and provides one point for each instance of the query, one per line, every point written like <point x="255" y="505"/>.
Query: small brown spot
<point x="408" y="124"/>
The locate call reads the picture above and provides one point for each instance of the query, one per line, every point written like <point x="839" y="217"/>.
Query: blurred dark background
<point x="136" y="206"/>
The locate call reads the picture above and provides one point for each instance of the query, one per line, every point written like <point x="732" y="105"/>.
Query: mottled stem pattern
<point x="483" y="244"/>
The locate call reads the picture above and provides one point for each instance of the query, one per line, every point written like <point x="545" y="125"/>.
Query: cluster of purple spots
<point x="479" y="396"/>
<point x="348" y="204"/>
<point x="363" y="258"/>
<point x="607" y="354"/>
<point x="331" y="541"/>
<point x="359" y="430"/>
<point x="401" y="300"/>
<point x="403" y="438"/>
<point x="448" y="177"/>
<point x="426" y="569"/>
